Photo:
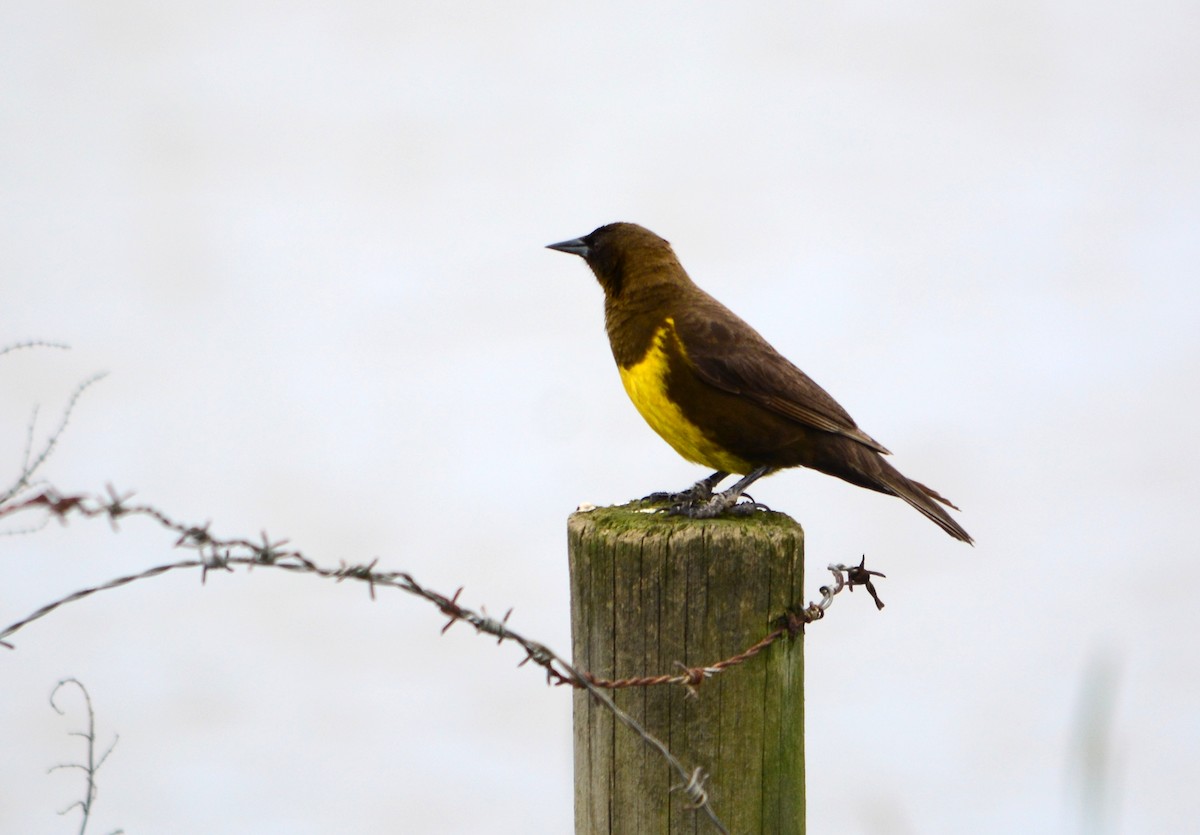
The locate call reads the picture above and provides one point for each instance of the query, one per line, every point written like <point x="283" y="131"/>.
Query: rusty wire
<point x="217" y="553"/>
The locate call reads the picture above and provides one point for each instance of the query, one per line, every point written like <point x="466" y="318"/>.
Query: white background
<point x="305" y="241"/>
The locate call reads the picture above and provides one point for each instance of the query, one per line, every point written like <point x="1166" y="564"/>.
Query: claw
<point x="721" y="504"/>
<point x="698" y="493"/>
<point x="700" y="502"/>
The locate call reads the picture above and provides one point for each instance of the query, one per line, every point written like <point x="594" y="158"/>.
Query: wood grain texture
<point x="648" y="591"/>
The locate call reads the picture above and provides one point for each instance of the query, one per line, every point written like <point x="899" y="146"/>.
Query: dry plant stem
<point x="93" y="763"/>
<point x="31" y="462"/>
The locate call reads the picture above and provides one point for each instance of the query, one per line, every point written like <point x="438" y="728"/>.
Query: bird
<point x="718" y="392"/>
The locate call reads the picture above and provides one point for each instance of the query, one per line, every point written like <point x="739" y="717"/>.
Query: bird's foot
<point x="721" y="504"/>
<point x="688" y="496"/>
<point x="698" y="493"/>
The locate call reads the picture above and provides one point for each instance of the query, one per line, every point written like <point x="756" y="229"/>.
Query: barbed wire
<point x="224" y="554"/>
<point x="219" y="553"/>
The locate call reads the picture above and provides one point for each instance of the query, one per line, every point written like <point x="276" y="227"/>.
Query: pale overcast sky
<point x="305" y="240"/>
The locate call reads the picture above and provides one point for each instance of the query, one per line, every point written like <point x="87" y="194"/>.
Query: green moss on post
<point x="648" y="591"/>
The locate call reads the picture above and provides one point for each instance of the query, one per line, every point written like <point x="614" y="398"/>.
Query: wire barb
<point x="789" y="625"/>
<point x="860" y="575"/>
<point x="694" y="788"/>
<point x="217" y="552"/>
<point x="225" y="554"/>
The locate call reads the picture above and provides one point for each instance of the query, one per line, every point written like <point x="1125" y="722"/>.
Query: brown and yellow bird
<point x="717" y="392"/>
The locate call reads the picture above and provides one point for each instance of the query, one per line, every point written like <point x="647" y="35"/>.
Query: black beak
<point x="577" y="246"/>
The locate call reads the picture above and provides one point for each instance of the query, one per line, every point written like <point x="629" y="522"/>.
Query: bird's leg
<point x="698" y="493"/>
<point x="726" y="501"/>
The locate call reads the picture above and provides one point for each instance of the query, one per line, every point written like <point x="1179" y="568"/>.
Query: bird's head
<point x="624" y="255"/>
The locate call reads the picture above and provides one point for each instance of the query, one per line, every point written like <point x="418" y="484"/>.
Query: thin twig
<point x="32" y="343"/>
<point x="93" y="764"/>
<point x="31" y="463"/>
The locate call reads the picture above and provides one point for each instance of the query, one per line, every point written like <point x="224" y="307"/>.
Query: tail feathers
<point x="933" y="494"/>
<point x="861" y="465"/>
<point x="923" y="499"/>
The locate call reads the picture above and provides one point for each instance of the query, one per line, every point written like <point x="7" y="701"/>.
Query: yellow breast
<point x="646" y="384"/>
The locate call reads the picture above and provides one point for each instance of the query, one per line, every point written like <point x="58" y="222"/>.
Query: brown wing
<point x="730" y="355"/>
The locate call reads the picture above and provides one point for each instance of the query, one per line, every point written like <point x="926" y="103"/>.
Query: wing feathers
<point x="730" y="355"/>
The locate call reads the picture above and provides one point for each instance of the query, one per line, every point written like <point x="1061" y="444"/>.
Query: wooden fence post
<point x="648" y="591"/>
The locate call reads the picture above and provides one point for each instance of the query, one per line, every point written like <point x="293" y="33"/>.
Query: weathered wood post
<point x="648" y="591"/>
